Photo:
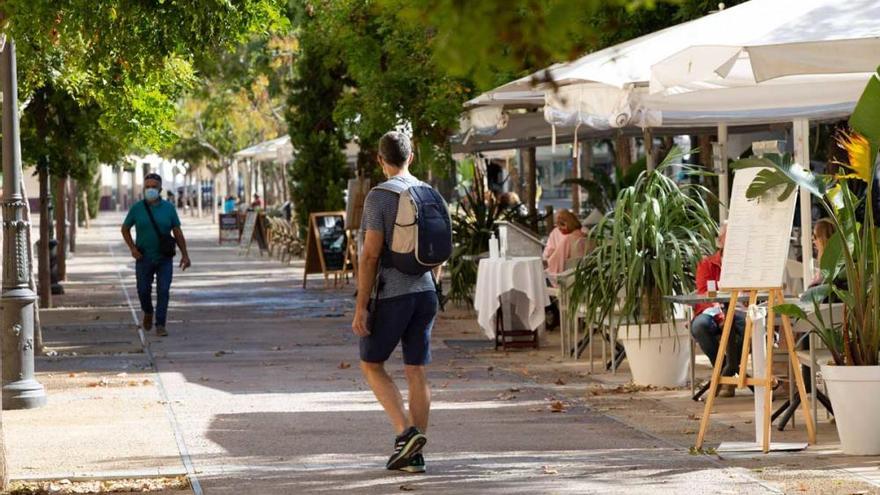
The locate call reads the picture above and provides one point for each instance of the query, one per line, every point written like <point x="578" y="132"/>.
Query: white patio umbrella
<point x="772" y="39"/>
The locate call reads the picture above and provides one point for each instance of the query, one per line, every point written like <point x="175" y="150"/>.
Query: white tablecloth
<point x="499" y="276"/>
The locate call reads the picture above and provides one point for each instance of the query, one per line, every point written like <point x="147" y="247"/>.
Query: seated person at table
<point x="708" y="323"/>
<point x="566" y="241"/>
<point x="510" y="201"/>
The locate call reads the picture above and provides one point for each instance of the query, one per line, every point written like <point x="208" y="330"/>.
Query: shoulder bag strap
<point x="152" y="220"/>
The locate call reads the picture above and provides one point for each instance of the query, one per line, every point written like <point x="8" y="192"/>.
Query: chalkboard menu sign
<point x="250" y="221"/>
<point x="229" y="228"/>
<point x="254" y="230"/>
<point x="327" y="244"/>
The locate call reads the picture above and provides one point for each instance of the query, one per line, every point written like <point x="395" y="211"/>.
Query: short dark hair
<point x="153" y="176"/>
<point x="395" y="148"/>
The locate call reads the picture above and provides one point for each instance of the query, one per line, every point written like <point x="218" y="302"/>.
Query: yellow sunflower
<point x="859" y="151"/>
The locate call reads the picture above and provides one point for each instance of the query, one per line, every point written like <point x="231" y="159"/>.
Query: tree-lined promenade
<point x="273" y="112"/>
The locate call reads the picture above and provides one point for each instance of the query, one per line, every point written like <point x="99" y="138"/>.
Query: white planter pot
<point x="855" y="395"/>
<point x="660" y="357"/>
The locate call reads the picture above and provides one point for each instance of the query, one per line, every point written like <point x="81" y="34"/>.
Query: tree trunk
<point x="623" y="152"/>
<point x="44" y="273"/>
<point x="72" y="213"/>
<point x="248" y="182"/>
<point x="532" y="186"/>
<point x="214" y="197"/>
<point x="60" y="227"/>
<point x="284" y="186"/>
<point x="262" y="168"/>
<point x="184" y="193"/>
<point x="85" y="207"/>
<point x="199" y="193"/>
<point x="119" y="201"/>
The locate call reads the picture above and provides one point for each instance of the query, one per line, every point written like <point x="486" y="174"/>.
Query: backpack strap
<point x="396" y="185"/>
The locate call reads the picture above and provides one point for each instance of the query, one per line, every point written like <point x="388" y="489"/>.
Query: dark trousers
<point x="707" y="333"/>
<point x="147" y="270"/>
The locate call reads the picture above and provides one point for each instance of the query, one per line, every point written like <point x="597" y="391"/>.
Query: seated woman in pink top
<point x="567" y="241"/>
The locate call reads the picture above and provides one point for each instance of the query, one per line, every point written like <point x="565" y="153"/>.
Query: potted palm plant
<point x="648" y="246"/>
<point x="850" y="268"/>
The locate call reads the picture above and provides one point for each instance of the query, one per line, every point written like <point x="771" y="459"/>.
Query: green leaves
<point x="768" y="180"/>
<point x="866" y="116"/>
<point x="790" y="310"/>
<point x="646" y="247"/>
<point x="781" y="171"/>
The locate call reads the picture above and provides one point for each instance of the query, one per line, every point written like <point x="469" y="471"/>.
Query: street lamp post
<point x="21" y="390"/>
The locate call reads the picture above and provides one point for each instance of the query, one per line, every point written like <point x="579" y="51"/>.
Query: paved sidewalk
<point x="264" y="396"/>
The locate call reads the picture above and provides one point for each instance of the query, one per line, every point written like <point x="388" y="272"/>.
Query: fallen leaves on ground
<point x="407" y="488"/>
<point x="103" y="382"/>
<point x="560" y="381"/>
<point x="344" y="366"/>
<point x="65" y="486"/>
<point x="549" y="470"/>
<point x="628" y="388"/>
<point x="123" y="382"/>
<point x="557" y="406"/>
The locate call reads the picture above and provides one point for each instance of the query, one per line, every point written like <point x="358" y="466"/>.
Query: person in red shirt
<point x="708" y="323"/>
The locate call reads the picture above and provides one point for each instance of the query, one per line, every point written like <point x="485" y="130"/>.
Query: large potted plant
<point x="850" y="272"/>
<point x="647" y="247"/>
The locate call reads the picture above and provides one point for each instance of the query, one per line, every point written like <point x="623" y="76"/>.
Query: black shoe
<point x="160" y="331"/>
<point x="407" y="445"/>
<point x="416" y="464"/>
<point x="147" y="322"/>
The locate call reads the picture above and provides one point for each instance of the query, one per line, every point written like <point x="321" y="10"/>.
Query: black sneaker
<point x="160" y="331"/>
<point x="416" y="464"/>
<point x="406" y="445"/>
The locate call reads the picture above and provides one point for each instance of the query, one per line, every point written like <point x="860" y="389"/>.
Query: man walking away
<point x="405" y="306"/>
<point x="154" y="219"/>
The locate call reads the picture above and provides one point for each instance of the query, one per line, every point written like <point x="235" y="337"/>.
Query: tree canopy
<point x="123" y="64"/>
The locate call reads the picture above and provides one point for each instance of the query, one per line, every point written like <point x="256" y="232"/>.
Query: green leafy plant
<point x="853" y="253"/>
<point x="646" y="247"/>
<point x="473" y="222"/>
<point x="602" y="189"/>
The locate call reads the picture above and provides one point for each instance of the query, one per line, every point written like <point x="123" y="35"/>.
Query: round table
<point x="520" y="277"/>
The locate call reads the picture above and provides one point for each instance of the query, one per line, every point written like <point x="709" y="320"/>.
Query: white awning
<point x="278" y="149"/>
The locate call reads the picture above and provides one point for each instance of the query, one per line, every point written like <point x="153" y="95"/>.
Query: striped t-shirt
<point x="380" y="211"/>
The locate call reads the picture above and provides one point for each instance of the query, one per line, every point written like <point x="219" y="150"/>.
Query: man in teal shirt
<point x="151" y="263"/>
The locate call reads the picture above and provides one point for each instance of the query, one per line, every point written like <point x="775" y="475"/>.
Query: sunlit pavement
<point x="262" y="389"/>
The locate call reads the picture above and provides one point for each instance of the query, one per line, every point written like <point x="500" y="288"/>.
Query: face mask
<point x="151" y="193"/>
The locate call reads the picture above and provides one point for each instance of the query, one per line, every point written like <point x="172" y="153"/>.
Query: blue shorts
<point x="407" y="319"/>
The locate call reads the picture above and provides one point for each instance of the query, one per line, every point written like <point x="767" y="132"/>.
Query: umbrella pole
<point x="801" y="133"/>
<point x="720" y="156"/>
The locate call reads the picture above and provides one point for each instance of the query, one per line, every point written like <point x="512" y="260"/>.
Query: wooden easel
<point x="775" y="296"/>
